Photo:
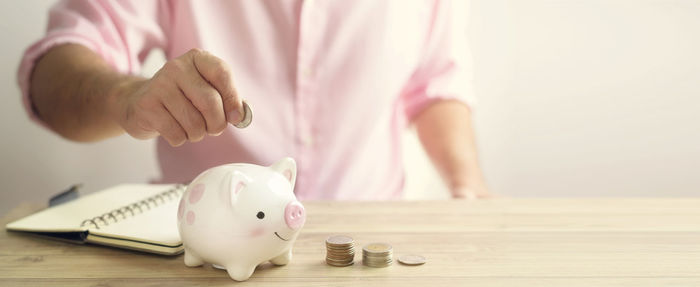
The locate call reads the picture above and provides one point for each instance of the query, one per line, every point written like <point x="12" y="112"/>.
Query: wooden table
<point x="502" y="242"/>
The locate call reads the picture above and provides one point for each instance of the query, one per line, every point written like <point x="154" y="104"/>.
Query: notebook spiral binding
<point x="141" y="206"/>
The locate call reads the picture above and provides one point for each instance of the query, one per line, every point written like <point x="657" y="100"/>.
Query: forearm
<point x="71" y="91"/>
<point x="446" y="132"/>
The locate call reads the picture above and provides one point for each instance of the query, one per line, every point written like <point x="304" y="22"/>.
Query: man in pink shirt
<point x="331" y="83"/>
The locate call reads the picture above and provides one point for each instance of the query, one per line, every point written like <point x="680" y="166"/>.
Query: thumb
<point x="234" y="109"/>
<point x="245" y="117"/>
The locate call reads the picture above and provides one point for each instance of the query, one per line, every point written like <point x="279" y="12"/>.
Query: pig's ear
<point x="287" y="167"/>
<point x="232" y="186"/>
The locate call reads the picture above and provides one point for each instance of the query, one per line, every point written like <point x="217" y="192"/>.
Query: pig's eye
<point x="260" y="215"/>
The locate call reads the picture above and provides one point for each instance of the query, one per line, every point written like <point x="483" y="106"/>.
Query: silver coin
<point x="378" y="248"/>
<point x="339" y="264"/>
<point x="339" y="240"/>
<point x="377" y="264"/>
<point x="412" y="259"/>
<point x="247" y="117"/>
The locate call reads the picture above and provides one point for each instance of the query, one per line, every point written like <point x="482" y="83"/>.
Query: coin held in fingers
<point x="247" y="117"/>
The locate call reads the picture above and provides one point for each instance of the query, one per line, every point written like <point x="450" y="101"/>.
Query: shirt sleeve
<point x="445" y="69"/>
<point x="121" y="32"/>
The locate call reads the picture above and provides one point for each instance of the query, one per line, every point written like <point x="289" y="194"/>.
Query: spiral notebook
<point x="140" y="217"/>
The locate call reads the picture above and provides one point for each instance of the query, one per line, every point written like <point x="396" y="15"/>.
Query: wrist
<point x="117" y="95"/>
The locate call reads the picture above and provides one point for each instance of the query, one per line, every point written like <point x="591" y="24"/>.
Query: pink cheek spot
<point x="257" y="232"/>
<point x="196" y="193"/>
<point x="190" y="217"/>
<point x="181" y="209"/>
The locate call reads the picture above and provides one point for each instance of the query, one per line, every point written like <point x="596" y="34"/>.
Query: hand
<point x="188" y="98"/>
<point x="473" y="189"/>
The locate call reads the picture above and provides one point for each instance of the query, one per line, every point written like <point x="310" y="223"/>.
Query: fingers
<point x="187" y="116"/>
<point x="466" y="195"/>
<point x="205" y="99"/>
<point x="167" y="126"/>
<point x="216" y="72"/>
<point x="471" y="193"/>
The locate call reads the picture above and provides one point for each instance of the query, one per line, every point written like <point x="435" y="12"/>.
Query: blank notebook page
<point x="70" y="215"/>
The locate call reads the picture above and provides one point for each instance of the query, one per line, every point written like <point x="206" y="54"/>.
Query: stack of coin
<point x="340" y="250"/>
<point x="377" y="255"/>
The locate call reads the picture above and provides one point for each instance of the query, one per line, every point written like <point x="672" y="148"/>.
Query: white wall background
<point x="577" y="98"/>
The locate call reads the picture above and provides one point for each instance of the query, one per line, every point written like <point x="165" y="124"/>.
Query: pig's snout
<point x="294" y="215"/>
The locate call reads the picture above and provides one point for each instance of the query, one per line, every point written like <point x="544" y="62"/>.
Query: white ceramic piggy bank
<point x="237" y="216"/>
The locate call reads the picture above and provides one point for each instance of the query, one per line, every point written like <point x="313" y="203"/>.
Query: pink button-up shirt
<point x="331" y="83"/>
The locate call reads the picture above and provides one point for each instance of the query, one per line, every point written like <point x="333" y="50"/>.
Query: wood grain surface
<point x="499" y="242"/>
